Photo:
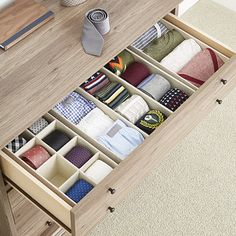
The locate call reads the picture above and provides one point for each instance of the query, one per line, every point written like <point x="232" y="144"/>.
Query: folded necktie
<point x="173" y="99"/>
<point x="201" y="67"/>
<point x="98" y="171"/>
<point x="95" y="82"/>
<point x="96" y="123"/>
<point x="121" y="140"/>
<point x="74" y="107"/>
<point x="119" y="64"/>
<point x="161" y="47"/>
<point x="35" y="157"/>
<point x="133" y="108"/>
<point x="16" y="144"/>
<point x="112" y="94"/>
<point x="57" y="139"/>
<point x="155" y="86"/>
<point x="38" y="126"/>
<point x="79" y="155"/>
<point x="150" y="121"/>
<point x="181" y="55"/>
<point x="136" y="73"/>
<point x="154" y="32"/>
<point x="79" y="190"/>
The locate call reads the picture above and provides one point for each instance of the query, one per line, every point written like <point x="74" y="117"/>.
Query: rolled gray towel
<point x="155" y="86"/>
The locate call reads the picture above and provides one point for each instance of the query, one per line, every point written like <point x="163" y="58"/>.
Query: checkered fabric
<point x="74" y="107"/>
<point x="16" y="144"/>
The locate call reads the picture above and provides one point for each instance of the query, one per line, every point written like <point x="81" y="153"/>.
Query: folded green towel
<point x="161" y="47"/>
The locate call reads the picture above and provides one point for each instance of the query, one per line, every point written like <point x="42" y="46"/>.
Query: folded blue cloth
<point x="121" y="139"/>
<point x="74" y="107"/>
<point x="79" y="190"/>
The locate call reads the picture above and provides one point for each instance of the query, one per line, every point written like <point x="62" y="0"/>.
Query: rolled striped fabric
<point x="154" y="32"/>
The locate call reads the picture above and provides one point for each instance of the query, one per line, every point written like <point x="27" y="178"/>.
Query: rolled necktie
<point x="181" y="55"/>
<point x="79" y="190"/>
<point x="155" y="86"/>
<point x="79" y="155"/>
<point x="5" y="4"/>
<point x="95" y="83"/>
<point x="150" y="121"/>
<point x="173" y="99"/>
<point x="71" y="3"/>
<point x="38" y="126"/>
<point x="74" y="107"/>
<point x="136" y="73"/>
<point x="113" y="94"/>
<point x="96" y="123"/>
<point x="121" y="139"/>
<point x="201" y="67"/>
<point x="133" y="108"/>
<point x="96" y="24"/>
<point x="57" y="139"/>
<point x="35" y="157"/>
<point x="154" y="32"/>
<point x="98" y="171"/>
<point x="161" y="47"/>
<point x="16" y="144"/>
<point x="119" y="64"/>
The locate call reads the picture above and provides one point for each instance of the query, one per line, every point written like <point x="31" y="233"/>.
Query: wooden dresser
<point x="50" y="63"/>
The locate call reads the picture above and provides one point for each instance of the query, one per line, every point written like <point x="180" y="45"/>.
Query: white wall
<point x="231" y="4"/>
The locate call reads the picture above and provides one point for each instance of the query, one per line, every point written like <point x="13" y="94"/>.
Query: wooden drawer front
<point x="80" y="218"/>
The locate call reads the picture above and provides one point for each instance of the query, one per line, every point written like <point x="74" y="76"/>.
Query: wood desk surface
<point x="40" y="70"/>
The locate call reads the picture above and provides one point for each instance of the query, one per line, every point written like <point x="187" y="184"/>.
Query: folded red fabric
<point x="136" y="73"/>
<point x="201" y="67"/>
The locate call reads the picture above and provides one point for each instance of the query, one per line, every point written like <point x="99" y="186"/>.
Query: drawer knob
<point x="224" y="81"/>
<point x="49" y="223"/>
<point x="112" y="190"/>
<point x="219" y="101"/>
<point x="111" y="209"/>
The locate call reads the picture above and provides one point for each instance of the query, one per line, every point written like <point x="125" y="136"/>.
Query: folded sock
<point x="119" y="64"/>
<point x="155" y="86"/>
<point x="173" y="99"/>
<point x="181" y="55"/>
<point x="136" y="73"/>
<point x="96" y="123"/>
<point x="201" y="67"/>
<point x="150" y="121"/>
<point x="79" y="190"/>
<point x="154" y="32"/>
<point x="95" y="82"/>
<point x="161" y="47"/>
<point x="74" y="107"/>
<point x="133" y="108"/>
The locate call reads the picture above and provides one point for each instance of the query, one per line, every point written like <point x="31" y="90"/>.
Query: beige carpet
<point x="192" y="192"/>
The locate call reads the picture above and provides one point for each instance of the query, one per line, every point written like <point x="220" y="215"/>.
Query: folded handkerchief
<point x="155" y="86"/>
<point x="119" y="64"/>
<point x="95" y="82"/>
<point x="181" y="55"/>
<point x="154" y="32"/>
<point x="201" y="67"/>
<point x="133" y="108"/>
<point x="98" y="171"/>
<point x="96" y="123"/>
<point x="74" y="107"/>
<point x="161" y="47"/>
<point x="150" y="121"/>
<point x="121" y="139"/>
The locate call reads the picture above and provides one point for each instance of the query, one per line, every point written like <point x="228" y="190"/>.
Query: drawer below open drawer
<point x="82" y="217"/>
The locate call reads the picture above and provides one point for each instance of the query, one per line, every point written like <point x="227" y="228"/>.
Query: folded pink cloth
<point x="201" y="67"/>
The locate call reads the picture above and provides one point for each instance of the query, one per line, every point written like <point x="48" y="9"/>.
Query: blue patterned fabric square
<point x="79" y="190"/>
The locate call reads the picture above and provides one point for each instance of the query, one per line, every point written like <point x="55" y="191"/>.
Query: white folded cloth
<point x="181" y="55"/>
<point x="98" y="171"/>
<point x="95" y="123"/>
<point x="133" y="108"/>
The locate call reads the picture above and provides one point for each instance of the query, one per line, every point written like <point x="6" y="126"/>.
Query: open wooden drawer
<point x="80" y="218"/>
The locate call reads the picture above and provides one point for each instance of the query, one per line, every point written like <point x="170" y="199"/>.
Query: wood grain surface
<point x="40" y="70"/>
